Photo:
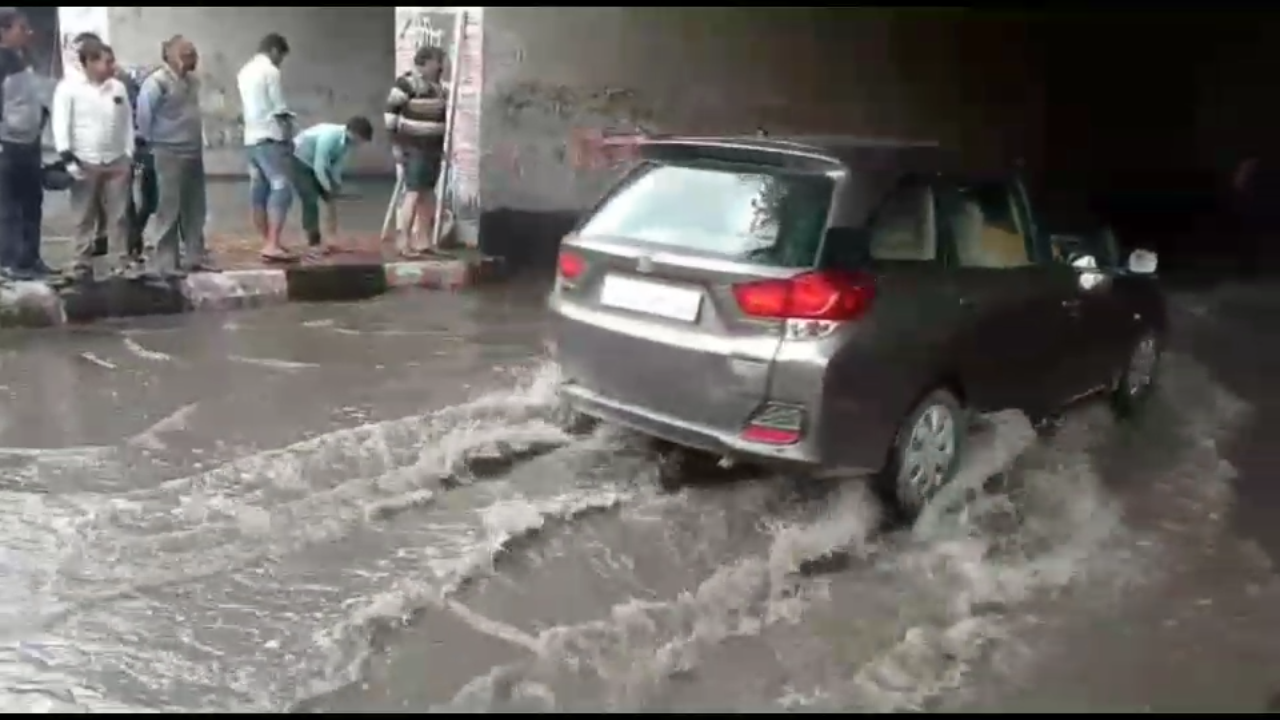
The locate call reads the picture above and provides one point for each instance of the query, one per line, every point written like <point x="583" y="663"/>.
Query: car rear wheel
<point x="927" y="451"/>
<point x="1137" y="380"/>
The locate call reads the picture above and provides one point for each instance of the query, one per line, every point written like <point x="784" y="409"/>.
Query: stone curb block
<point x="36" y="305"/>
<point x="241" y="289"/>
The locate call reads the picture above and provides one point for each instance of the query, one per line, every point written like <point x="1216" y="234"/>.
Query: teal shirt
<point x="323" y="148"/>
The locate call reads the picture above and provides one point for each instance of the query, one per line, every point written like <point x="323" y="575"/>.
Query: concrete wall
<point x="1093" y="99"/>
<point x="548" y="71"/>
<point x="341" y="64"/>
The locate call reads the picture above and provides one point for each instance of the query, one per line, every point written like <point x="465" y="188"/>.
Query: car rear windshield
<point x="741" y="212"/>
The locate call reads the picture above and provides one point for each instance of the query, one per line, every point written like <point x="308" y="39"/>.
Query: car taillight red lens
<point x="824" y="295"/>
<point x="775" y="424"/>
<point x="571" y="265"/>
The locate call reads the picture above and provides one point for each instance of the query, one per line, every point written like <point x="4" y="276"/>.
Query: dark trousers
<point x="21" y="206"/>
<point x="142" y="204"/>
<point x="310" y="193"/>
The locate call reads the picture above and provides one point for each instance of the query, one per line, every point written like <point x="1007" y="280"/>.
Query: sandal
<point x="277" y="259"/>
<point x="415" y="253"/>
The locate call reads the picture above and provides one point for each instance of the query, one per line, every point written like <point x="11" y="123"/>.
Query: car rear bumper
<point x="683" y="433"/>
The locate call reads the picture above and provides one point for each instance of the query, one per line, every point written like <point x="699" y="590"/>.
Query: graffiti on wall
<point x="418" y="27"/>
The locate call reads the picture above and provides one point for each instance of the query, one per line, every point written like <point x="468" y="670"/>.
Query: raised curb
<point x="36" y="305"/>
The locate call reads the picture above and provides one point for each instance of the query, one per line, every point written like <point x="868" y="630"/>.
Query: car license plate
<point x="650" y="298"/>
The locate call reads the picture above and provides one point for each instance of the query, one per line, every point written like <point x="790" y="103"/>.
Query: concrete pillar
<point x="341" y="64"/>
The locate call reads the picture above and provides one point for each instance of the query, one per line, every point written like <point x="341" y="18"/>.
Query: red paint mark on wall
<point x="594" y="149"/>
<point x="586" y="150"/>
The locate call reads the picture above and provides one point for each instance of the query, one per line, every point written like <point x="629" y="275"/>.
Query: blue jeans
<point x="21" y="206"/>
<point x="270" y="182"/>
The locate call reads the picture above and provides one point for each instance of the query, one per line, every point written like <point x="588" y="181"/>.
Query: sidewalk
<point x="371" y="268"/>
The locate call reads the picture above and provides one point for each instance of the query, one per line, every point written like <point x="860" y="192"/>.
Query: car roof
<point x="912" y="155"/>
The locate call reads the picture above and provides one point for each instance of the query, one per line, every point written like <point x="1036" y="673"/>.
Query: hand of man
<point x="427" y="105"/>
<point x="286" y="125"/>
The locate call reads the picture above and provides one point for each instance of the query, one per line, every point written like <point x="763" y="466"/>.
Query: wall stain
<point x="565" y="102"/>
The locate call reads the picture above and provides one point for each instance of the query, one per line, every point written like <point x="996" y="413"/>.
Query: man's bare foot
<point x="277" y="254"/>
<point x="414" y="253"/>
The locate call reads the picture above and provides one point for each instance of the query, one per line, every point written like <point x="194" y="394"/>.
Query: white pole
<point x="393" y="207"/>
<point x="459" y="27"/>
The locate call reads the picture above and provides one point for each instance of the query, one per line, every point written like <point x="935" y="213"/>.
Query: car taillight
<point x="570" y="265"/>
<point x="775" y="424"/>
<point x="820" y="295"/>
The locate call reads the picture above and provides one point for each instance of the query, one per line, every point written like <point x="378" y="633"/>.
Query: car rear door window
<point x="740" y="212"/>
<point x="902" y="229"/>
<point x="985" y="227"/>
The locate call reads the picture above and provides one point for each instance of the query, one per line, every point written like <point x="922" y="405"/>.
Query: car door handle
<point x="968" y="303"/>
<point x="1072" y="305"/>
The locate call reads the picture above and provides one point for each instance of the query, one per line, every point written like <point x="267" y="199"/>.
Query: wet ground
<point x="230" y="234"/>
<point x="364" y="508"/>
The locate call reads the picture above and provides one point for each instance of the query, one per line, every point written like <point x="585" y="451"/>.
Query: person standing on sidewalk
<point x="172" y="130"/>
<point x="139" y="211"/>
<point x="415" y="116"/>
<point x="23" y="114"/>
<point x="319" y="158"/>
<point x="93" y="135"/>
<point x="268" y="137"/>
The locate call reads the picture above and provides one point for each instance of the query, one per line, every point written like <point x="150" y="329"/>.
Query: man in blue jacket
<point x="23" y="114"/>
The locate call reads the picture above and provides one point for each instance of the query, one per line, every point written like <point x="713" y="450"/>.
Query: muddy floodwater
<point x="367" y="508"/>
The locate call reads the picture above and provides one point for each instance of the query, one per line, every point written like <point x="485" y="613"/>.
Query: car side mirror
<point x="1087" y="272"/>
<point x="1084" y="262"/>
<point x="1143" y="262"/>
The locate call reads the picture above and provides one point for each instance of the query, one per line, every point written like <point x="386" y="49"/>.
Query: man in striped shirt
<point x="415" y="116"/>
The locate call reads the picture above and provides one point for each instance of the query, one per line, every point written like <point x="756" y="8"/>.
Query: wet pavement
<point x="365" y="508"/>
<point x="231" y="237"/>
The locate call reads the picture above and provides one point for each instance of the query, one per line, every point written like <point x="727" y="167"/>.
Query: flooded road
<point x="366" y="508"/>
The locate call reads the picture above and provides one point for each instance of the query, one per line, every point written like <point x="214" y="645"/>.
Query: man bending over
<point x="319" y="158"/>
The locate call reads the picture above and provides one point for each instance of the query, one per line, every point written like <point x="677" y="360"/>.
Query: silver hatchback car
<point x="838" y="305"/>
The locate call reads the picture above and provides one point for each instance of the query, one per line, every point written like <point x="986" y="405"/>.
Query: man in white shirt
<point x="268" y="137"/>
<point x="93" y="134"/>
